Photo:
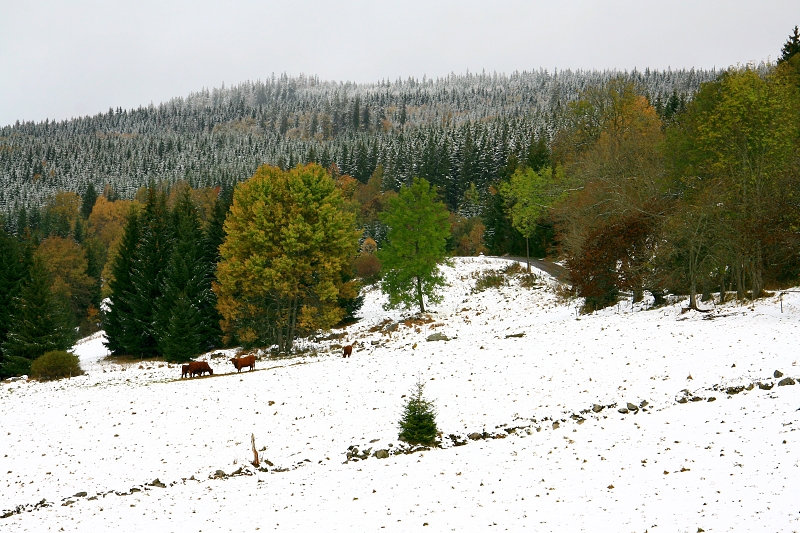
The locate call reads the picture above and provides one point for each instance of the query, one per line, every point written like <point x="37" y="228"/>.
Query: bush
<point x="418" y="424"/>
<point x="367" y="267"/>
<point x="56" y="365"/>
<point x="491" y="279"/>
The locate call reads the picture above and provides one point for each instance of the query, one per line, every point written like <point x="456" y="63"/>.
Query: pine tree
<point x="38" y="324"/>
<point x="418" y="422"/>
<point x="415" y="246"/>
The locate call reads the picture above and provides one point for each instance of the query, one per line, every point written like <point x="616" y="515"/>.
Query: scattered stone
<point x="437" y="337"/>
<point x="157" y="483"/>
<point x="80" y="495"/>
<point x="68" y="502"/>
<point x="623" y="410"/>
<point x="611" y="487"/>
<point x="475" y="436"/>
<point x="556" y="424"/>
<point x="734" y="390"/>
<point x="382" y="454"/>
<point x="644" y="404"/>
<point x="785" y="381"/>
<point x="682" y="400"/>
<point x="765" y="386"/>
<point x="375" y="343"/>
<point x="696" y="399"/>
<point x="219" y="473"/>
<point x="632" y="407"/>
<point x="750" y="387"/>
<point x="597" y="408"/>
<point x="777" y="374"/>
<point x="515" y="335"/>
<point x="712" y="399"/>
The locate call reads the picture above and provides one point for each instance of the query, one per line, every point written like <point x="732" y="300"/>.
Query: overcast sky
<point x="67" y="58"/>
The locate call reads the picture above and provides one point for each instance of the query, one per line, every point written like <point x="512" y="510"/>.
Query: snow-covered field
<point x="90" y="448"/>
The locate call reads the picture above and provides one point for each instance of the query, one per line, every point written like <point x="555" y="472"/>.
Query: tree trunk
<point x="419" y="295"/>
<point x="528" y="254"/>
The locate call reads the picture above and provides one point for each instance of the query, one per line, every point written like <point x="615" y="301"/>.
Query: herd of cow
<point x="198" y="368"/>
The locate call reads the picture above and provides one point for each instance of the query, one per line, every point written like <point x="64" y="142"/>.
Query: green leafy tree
<point x="288" y="242"/>
<point x="738" y="137"/>
<point x="528" y="196"/>
<point x="415" y="246"/>
<point x="39" y="323"/>
<point x="418" y="422"/>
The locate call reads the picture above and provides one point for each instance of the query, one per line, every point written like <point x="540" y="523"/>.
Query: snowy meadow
<point x="629" y="419"/>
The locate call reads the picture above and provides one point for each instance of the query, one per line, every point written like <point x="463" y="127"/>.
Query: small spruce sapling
<point x="418" y="423"/>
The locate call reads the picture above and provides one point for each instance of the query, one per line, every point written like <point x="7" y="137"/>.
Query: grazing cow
<point x="185" y="371"/>
<point x="241" y="362"/>
<point x="348" y="350"/>
<point x="199" y="368"/>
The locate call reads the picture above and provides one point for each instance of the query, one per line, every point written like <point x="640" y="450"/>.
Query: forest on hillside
<point x="691" y="192"/>
<point x="451" y="131"/>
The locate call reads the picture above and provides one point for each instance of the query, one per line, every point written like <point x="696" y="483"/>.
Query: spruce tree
<point x="186" y="319"/>
<point x="121" y="331"/>
<point x="38" y="324"/>
<point x="148" y="271"/>
<point x="13" y="269"/>
<point x="418" y="422"/>
<point x="790" y="47"/>
<point x="88" y="201"/>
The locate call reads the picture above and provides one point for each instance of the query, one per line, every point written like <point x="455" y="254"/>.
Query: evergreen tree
<point x="149" y="268"/>
<point x="88" y="201"/>
<point x="13" y="270"/>
<point x="186" y="320"/>
<point x="38" y="324"/>
<point x="121" y="331"/>
<point x="418" y="423"/>
<point x="790" y="47"/>
<point x="415" y="246"/>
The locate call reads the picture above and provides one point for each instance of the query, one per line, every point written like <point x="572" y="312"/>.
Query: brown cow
<point x="348" y="350"/>
<point x="241" y="362"/>
<point x="199" y="368"/>
<point x="185" y="371"/>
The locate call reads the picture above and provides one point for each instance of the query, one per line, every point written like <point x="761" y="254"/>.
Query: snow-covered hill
<point x="539" y="388"/>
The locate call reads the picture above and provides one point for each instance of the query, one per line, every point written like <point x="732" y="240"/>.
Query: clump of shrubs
<point x="57" y="364"/>
<point x="418" y="423"/>
<point x="490" y="279"/>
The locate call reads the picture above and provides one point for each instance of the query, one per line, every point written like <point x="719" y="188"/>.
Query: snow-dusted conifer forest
<point x="453" y="131"/>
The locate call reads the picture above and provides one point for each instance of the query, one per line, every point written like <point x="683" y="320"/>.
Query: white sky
<point x="62" y="58"/>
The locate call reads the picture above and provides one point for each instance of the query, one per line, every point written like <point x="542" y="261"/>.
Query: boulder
<point x="437" y="337"/>
<point x="475" y="436"/>
<point x="382" y="454"/>
<point x="623" y="410"/>
<point x="556" y="424"/>
<point x="785" y="381"/>
<point x="597" y="408"/>
<point x="632" y="407"/>
<point x="777" y="374"/>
